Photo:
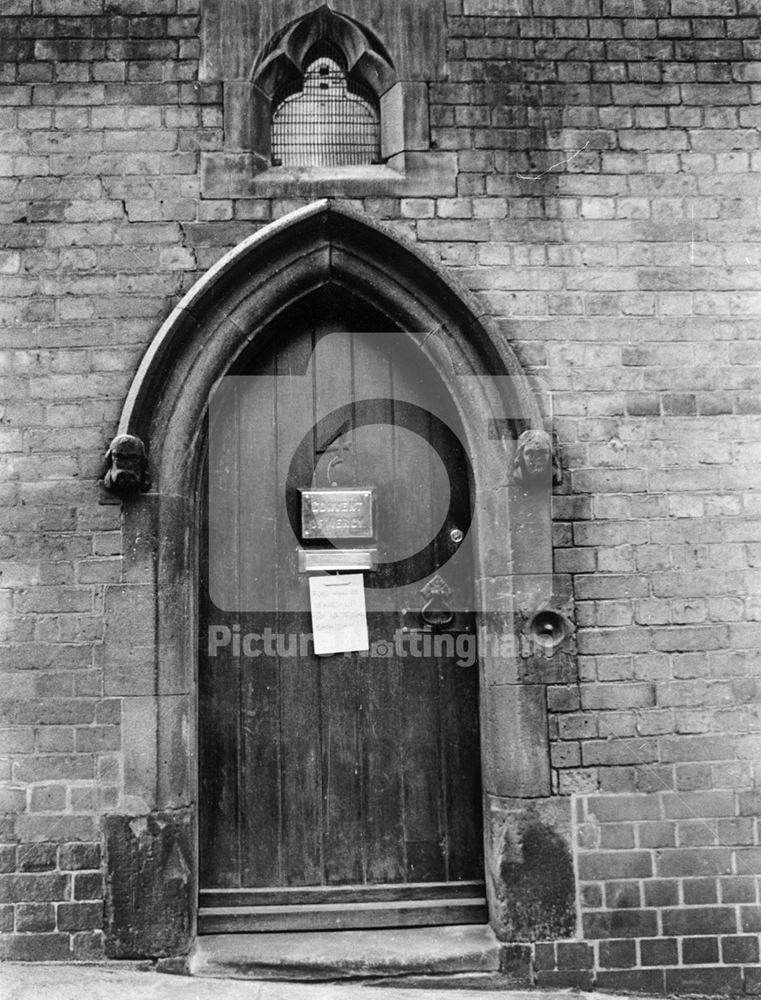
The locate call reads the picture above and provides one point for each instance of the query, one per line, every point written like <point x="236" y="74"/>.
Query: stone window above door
<point x="324" y="110"/>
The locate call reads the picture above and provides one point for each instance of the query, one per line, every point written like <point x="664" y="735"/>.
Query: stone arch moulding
<point x="285" y="54"/>
<point x="155" y="675"/>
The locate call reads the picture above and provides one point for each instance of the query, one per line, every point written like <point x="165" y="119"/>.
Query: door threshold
<point x="328" y="955"/>
<point x="341" y="908"/>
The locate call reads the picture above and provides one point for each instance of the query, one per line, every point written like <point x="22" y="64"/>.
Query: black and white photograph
<point x="380" y="505"/>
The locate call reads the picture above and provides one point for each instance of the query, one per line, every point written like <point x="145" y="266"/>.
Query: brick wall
<point x="101" y="122"/>
<point x="607" y="219"/>
<point x="616" y="159"/>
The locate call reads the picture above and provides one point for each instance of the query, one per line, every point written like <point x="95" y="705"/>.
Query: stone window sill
<point x="235" y="175"/>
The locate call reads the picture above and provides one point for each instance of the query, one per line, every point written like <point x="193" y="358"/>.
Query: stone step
<point x="321" y="955"/>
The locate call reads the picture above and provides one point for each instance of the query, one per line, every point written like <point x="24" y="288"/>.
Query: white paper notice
<point x="339" y="618"/>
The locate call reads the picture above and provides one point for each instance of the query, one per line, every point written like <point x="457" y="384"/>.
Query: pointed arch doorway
<point x="225" y="326"/>
<point x="337" y="791"/>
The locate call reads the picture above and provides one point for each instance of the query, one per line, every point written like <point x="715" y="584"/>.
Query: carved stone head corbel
<point x="126" y="471"/>
<point x="536" y="463"/>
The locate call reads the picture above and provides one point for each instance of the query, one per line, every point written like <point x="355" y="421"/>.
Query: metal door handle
<point x="436" y="611"/>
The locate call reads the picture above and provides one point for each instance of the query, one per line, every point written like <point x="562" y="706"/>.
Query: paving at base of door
<point x="132" y="981"/>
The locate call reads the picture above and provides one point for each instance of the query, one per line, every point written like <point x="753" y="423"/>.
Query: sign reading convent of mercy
<point x="337" y="513"/>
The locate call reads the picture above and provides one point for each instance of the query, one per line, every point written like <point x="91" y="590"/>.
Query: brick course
<point x="604" y="217"/>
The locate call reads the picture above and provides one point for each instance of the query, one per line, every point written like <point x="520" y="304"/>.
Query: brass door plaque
<point x="338" y="513"/>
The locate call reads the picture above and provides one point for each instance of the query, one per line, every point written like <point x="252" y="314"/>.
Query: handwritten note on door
<point x="339" y="618"/>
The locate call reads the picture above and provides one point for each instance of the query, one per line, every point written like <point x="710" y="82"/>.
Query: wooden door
<point x="339" y="791"/>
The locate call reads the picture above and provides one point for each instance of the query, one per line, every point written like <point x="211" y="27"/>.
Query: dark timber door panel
<point x="337" y="791"/>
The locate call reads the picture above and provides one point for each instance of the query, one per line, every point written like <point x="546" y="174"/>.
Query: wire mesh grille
<point x="326" y="119"/>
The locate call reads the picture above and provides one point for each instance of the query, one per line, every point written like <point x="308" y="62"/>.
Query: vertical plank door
<point x="339" y="791"/>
